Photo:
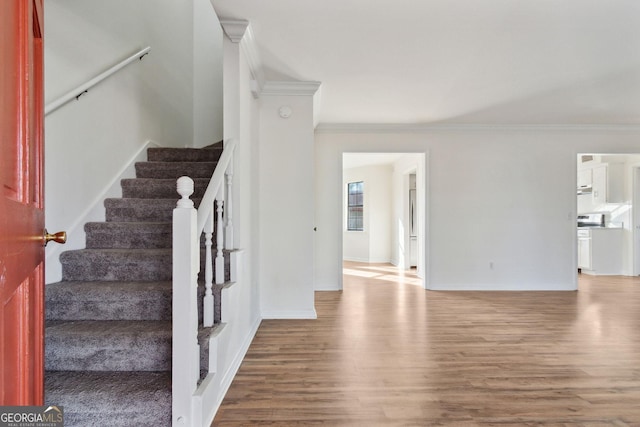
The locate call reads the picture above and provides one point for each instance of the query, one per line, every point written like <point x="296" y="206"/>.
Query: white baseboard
<point x="504" y="287"/>
<point x="380" y="260"/>
<point x="290" y="314"/>
<point x="355" y="259"/>
<point x="328" y="288"/>
<point x="369" y="260"/>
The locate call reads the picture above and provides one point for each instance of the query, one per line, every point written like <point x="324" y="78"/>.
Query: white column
<point x="234" y="31"/>
<point x="238" y="45"/>
<point x="287" y="207"/>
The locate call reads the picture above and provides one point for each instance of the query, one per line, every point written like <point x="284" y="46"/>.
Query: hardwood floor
<point x="386" y="353"/>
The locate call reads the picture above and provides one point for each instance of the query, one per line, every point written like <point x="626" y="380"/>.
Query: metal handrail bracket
<point x="84" y="88"/>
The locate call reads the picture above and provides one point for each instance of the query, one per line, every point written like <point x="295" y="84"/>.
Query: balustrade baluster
<point x="208" y="273"/>
<point x="229" y="209"/>
<point x="220" y="238"/>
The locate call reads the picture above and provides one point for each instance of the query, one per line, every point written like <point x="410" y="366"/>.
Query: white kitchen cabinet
<point x="584" y="177"/>
<point x="599" y="175"/>
<point x="608" y="183"/>
<point x="413" y="248"/>
<point x="601" y="253"/>
<point x="584" y="249"/>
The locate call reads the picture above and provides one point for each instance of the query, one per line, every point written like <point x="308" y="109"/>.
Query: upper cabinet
<point x="607" y="180"/>
<point x="584" y="178"/>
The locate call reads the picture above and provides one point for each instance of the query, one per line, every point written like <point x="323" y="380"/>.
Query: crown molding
<point x="418" y="127"/>
<point x="290" y="88"/>
<point x="239" y="31"/>
<point x="234" y="28"/>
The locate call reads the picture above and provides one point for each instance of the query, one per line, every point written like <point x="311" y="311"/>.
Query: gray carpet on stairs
<point x="128" y="235"/>
<point x="108" y="345"/>
<point x="104" y="300"/>
<point x="108" y="330"/>
<point x="151" y="188"/>
<point x="136" y="399"/>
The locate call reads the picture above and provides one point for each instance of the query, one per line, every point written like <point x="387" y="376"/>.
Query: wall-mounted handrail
<point x="82" y="89"/>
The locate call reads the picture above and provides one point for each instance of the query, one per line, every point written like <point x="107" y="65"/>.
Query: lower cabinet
<point x="601" y="252"/>
<point x="413" y="249"/>
<point x="584" y="250"/>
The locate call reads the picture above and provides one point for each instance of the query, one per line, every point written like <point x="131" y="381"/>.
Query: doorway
<point x="609" y="187"/>
<point x="392" y="223"/>
<point x="635" y="200"/>
<point x="413" y="222"/>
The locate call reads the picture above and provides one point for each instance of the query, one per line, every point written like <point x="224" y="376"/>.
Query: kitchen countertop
<point x="606" y="227"/>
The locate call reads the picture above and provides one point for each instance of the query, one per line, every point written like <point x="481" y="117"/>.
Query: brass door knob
<point x="59" y="237"/>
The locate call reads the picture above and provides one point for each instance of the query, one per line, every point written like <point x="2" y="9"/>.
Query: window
<point x="354" y="206"/>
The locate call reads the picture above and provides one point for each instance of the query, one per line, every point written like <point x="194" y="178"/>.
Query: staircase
<point x="108" y="330"/>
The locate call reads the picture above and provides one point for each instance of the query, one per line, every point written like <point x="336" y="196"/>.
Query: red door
<point x="21" y="203"/>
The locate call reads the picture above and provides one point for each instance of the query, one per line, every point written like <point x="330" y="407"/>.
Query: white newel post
<point x="186" y="254"/>
<point x="228" y="231"/>
<point x="207" y="309"/>
<point x="219" y="237"/>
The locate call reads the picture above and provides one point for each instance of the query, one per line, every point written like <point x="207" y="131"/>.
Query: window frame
<point x="359" y="197"/>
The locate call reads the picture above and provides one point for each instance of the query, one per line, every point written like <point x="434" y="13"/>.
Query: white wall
<point x="498" y="196"/>
<point x="286" y="207"/>
<point x="207" y="75"/>
<point x="89" y="143"/>
<point x="373" y="244"/>
<point x="327" y="261"/>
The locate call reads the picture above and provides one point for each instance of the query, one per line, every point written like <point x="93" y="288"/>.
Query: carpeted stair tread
<point x="99" y="300"/>
<point x="132" y="235"/>
<point x="112" y="345"/>
<point x="150" y="188"/>
<point x="137" y="210"/>
<point x="147" y="265"/>
<point x="174" y="170"/>
<point x="123" y="235"/>
<point x="167" y="154"/>
<point x="115" y="399"/>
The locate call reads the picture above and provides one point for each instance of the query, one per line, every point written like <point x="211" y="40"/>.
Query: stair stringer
<point x="209" y="395"/>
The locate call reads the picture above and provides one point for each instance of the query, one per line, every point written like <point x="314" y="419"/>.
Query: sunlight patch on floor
<point x="359" y="273"/>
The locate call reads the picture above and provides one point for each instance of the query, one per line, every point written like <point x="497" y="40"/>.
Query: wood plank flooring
<point x="384" y="352"/>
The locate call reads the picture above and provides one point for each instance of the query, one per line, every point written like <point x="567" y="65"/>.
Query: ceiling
<point x="455" y="61"/>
